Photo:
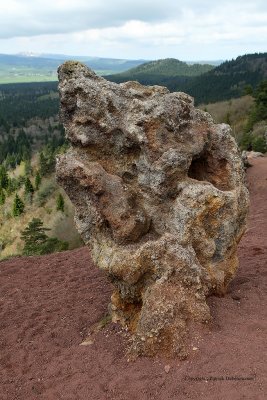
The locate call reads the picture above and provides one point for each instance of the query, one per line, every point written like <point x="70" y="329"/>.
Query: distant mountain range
<point x="88" y="58"/>
<point x="38" y="67"/>
<point x="207" y="83"/>
<point x="223" y="82"/>
<point x="30" y="67"/>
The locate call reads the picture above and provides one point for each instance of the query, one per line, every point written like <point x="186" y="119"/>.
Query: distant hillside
<point x="234" y="112"/>
<point x="20" y="102"/>
<point x="160" y="71"/>
<point x="23" y="68"/>
<point x="224" y="82"/>
<point x="31" y="136"/>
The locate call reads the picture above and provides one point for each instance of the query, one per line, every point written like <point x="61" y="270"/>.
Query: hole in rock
<point x="132" y="148"/>
<point x="207" y="168"/>
<point x="127" y="176"/>
<point x="131" y="313"/>
<point x="107" y="227"/>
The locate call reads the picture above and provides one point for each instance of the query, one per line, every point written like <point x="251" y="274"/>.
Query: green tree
<point x="50" y="151"/>
<point x="259" y="111"/>
<point x="3" y="177"/>
<point x="2" y="197"/>
<point x="259" y="144"/>
<point x="37" y="180"/>
<point x="28" y="186"/>
<point x="13" y="185"/>
<point x="261" y="101"/>
<point x="34" y="237"/>
<point x="27" y="167"/>
<point x="246" y="141"/>
<point x="47" y="159"/>
<point x="37" y="242"/>
<point x="248" y="90"/>
<point x="43" y="167"/>
<point x="60" y="203"/>
<point x="10" y="161"/>
<point x="18" y="206"/>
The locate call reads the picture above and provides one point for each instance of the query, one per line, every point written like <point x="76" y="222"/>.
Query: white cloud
<point x="135" y="29"/>
<point x="32" y="17"/>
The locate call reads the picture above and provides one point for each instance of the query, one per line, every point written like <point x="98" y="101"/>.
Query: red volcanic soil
<point x="49" y="304"/>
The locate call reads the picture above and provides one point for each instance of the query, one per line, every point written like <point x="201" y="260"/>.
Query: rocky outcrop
<point x="253" y="154"/>
<point x="160" y="199"/>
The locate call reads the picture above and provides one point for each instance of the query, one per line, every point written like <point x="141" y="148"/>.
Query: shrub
<point x="60" y="203"/>
<point x="52" y="245"/>
<point x="245" y="142"/>
<point x="259" y="144"/>
<point x="44" y="192"/>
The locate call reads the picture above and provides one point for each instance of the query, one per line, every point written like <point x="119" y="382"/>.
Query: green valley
<point x="22" y="68"/>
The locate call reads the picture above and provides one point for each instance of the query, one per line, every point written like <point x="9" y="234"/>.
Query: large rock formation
<point x="160" y="199"/>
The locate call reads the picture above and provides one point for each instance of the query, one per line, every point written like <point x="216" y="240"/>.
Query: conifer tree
<point x="10" y="161"/>
<point x="2" y="197"/>
<point x="43" y="167"/>
<point x="259" y="111"/>
<point x="28" y="186"/>
<point x="60" y="203"/>
<point x="34" y="237"/>
<point x="18" y="206"/>
<point x="27" y="167"/>
<point x="3" y="177"/>
<point x="37" y="242"/>
<point x="37" y="180"/>
<point x="261" y="101"/>
<point x="13" y="185"/>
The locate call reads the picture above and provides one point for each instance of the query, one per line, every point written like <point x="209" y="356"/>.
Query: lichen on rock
<point x="160" y="200"/>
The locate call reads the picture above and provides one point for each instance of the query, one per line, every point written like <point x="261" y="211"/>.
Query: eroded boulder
<point x="160" y="199"/>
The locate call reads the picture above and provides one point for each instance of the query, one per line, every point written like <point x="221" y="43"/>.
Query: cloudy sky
<point x="148" y="29"/>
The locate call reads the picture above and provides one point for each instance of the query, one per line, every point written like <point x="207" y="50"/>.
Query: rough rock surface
<point x="254" y="154"/>
<point x="160" y="199"/>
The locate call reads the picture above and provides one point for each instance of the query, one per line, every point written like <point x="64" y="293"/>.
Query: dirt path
<point x="48" y="304"/>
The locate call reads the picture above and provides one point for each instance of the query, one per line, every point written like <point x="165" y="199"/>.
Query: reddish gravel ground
<point x="49" y="304"/>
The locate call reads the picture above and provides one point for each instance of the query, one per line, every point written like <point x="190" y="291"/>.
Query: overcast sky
<point x="149" y="29"/>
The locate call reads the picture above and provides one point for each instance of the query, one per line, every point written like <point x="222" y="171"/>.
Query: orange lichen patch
<point x="154" y="132"/>
<point x="229" y="267"/>
<point x="221" y="273"/>
<point x="208" y="218"/>
<point x="200" y="132"/>
<point x="206" y="228"/>
<point x="218" y="171"/>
